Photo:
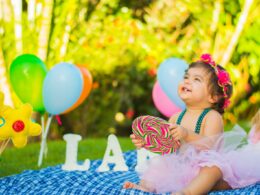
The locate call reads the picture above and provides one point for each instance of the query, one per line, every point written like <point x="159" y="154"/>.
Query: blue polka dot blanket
<point x="54" y="180"/>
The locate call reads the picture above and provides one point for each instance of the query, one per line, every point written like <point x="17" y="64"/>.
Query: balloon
<point x="27" y="73"/>
<point x="170" y="73"/>
<point x="87" y="85"/>
<point x="62" y="88"/>
<point x="162" y="102"/>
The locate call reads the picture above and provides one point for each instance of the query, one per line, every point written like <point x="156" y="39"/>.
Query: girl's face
<point x="193" y="90"/>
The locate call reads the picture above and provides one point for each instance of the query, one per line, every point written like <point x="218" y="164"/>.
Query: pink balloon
<point x="162" y="102"/>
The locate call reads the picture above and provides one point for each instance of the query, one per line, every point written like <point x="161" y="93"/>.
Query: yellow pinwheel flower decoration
<point x="16" y="124"/>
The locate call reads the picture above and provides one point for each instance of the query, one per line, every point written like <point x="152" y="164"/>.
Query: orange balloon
<point x="87" y="85"/>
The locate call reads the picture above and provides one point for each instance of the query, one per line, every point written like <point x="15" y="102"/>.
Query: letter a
<point x="117" y="157"/>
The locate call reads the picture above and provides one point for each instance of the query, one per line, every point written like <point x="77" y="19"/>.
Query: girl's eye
<point x="185" y="77"/>
<point x="197" y="79"/>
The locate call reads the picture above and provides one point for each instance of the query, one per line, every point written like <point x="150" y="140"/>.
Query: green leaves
<point x="123" y="43"/>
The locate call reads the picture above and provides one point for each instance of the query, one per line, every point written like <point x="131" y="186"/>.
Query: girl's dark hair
<point x="213" y="86"/>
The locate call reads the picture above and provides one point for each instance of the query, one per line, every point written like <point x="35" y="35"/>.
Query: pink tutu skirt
<point x="238" y="161"/>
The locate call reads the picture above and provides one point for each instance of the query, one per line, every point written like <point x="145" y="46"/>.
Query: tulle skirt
<point x="238" y="161"/>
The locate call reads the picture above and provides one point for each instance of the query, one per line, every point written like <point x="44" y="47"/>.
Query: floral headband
<point x="223" y="76"/>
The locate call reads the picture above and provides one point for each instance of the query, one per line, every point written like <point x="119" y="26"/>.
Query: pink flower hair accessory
<point x="226" y="103"/>
<point x="223" y="76"/>
<point x="207" y="59"/>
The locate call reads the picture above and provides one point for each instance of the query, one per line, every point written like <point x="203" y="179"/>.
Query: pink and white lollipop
<point x="155" y="133"/>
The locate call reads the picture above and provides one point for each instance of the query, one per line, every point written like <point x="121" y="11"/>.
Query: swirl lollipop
<point x="155" y="133"/>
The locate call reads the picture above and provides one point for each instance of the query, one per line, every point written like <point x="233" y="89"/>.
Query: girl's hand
<point x="139" y="143"/>
<point x="178" y="132"/>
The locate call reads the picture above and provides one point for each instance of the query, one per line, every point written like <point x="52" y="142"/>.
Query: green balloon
<point x="27" y="73"/>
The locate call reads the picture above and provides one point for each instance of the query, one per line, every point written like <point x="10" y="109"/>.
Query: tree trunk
<point x="17" y="6"/>
<point x="45" y="29"/>
<point x="4" y="85"/>
<point x="31" y="13"/>
<point x="239" y="28"/>
<point x="6" y="10"/>
<point x="69" y="25"/>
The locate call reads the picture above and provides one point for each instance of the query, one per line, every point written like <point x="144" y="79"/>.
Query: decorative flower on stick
<point x="16" y="124"/>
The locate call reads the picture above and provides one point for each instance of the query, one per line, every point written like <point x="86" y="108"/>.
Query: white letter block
<point x="143" y="156"/>
<point x="71" y="154"/>
<point x="117" y="157"/>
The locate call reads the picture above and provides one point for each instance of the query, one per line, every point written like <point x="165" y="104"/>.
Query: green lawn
<point x="246" y="125"/>
<point x="14" y="160"/>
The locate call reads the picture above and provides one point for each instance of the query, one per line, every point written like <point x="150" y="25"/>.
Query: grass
<point x="14" y="161"/>
<point x="246" y="125"/>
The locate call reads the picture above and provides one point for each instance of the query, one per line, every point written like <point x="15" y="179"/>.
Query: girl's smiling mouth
<point x="185" y="89"/>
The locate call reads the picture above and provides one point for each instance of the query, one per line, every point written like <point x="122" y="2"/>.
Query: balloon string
<point x="58" y="119"/>
<point x="3" y="145"/>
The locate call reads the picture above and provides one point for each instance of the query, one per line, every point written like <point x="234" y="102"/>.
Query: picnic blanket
<point x="54" y="180"/>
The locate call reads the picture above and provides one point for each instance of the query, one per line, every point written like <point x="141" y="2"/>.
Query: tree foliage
<point x="123" y="42"/>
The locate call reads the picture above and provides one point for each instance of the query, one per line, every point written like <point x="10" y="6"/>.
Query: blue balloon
<point x="169" y="74"/>
<point x="62" y="87"/>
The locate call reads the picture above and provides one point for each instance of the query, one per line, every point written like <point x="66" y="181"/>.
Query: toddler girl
<point x="199" y="164"/>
